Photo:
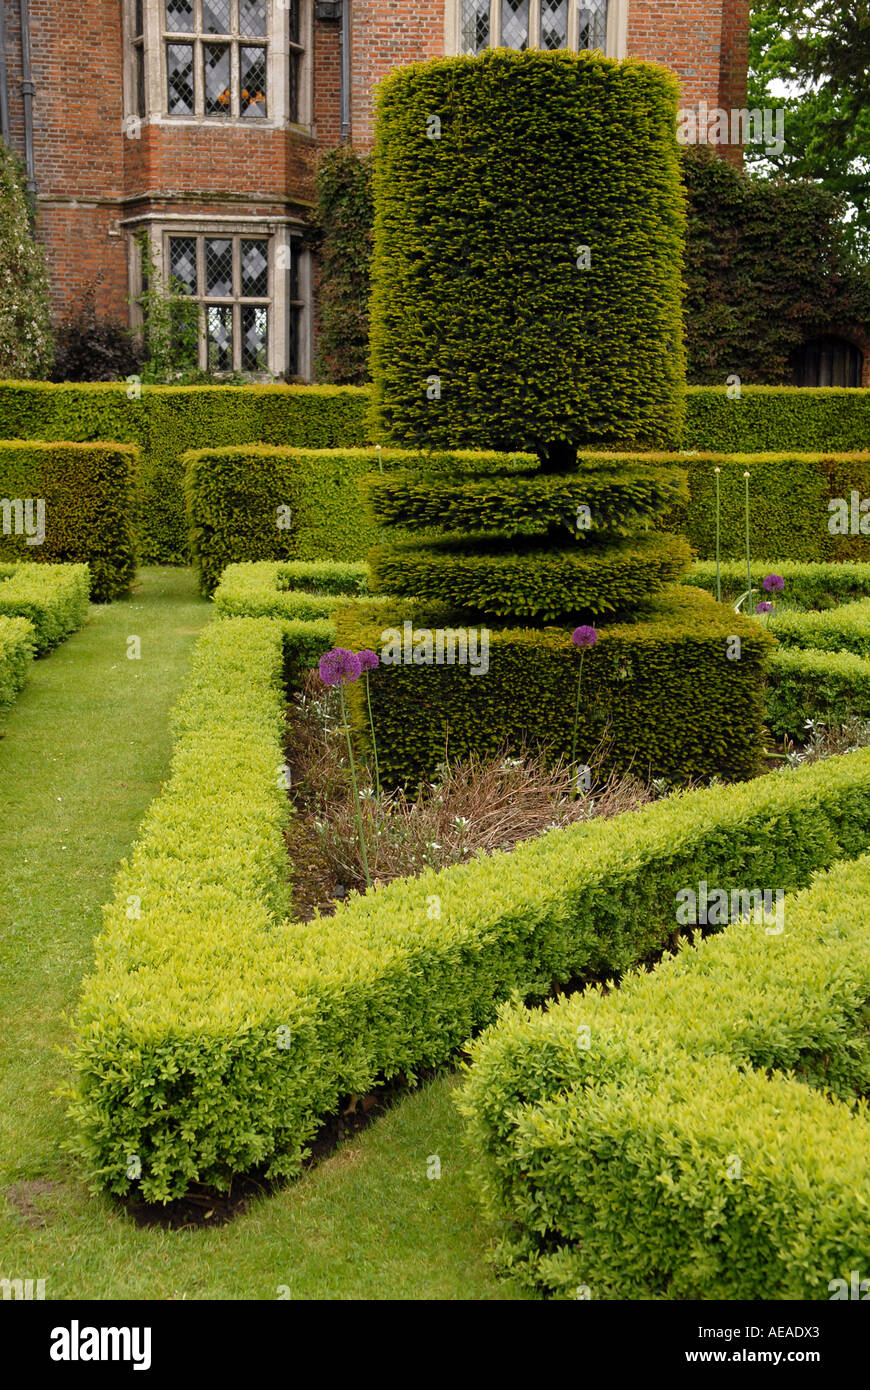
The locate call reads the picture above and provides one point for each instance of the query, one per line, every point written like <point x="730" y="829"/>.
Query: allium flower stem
<point x="359" y="821"/>
<point x="748" y="561"/>
<point x="374" y="740"/>
<point x="577" y="714"/>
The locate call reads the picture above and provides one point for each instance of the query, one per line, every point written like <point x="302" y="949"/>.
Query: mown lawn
<point x="82" y="754"/>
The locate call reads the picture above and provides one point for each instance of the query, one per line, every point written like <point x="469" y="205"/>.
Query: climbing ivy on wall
<point x="344" y="237"/>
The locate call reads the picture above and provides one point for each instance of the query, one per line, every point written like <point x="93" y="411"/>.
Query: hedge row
<point x="261" y="503"/>
<point x="85" y="497"/>
<point x="807" y="584"/>
<point x="676" y="1138"/>
<point x="830" y="420"/>
<point x="844" y="629"/>
<point x="17" y="650"/>
<point x="831" y="688"/>
<point x="302" y="589"/>
<point x="214" y="1036"/>
<point x="673" y="695"/>
<point x="166" y="421"/>
<point x="53" y="598"/>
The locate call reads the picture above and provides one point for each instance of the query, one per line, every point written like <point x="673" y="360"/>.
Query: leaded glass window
<point x="523" y="24"/>
<point x="209" y="78"/>
<point x="230" y="276"/>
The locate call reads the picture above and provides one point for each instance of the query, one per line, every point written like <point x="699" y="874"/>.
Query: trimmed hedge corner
<point x="17" y="650"/>
<point x="828" y="687"/>
<point x="301" y="590"/>
<point x="682" y="1137"/>
<point x="53" y="598"/>
<point x="89" y="516"/>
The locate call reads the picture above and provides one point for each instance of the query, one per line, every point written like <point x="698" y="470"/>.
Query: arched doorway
<point x="827" y="361"/>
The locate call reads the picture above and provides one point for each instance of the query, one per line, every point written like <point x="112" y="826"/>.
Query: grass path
<point x="82" y="754"/>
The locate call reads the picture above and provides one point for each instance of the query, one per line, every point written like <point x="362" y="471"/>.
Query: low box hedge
<point x="214" y="1035"/>
<point x="661" y="693"/>
<point x="830" y="688"/>
<point x="683" y="1136"/>
<point x="89" y="497"/>
<point x="53" y="598"/>
<point x="808" y="584"/>
<point x="300" y="589"/>
<point x="843" y="629"/>
<point x="17" y="650"/>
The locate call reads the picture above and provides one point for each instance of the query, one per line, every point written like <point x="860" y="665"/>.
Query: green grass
<point x="82" y="754"/>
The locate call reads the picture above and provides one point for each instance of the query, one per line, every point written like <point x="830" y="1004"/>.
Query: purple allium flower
<point x="340" y="667"/>
<point x="773" y="583"/>
<point x="584" y="637"/>
<point x="369" y="660"/>
<point x="764" y="608"/>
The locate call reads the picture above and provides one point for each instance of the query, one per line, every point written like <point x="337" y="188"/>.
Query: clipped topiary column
<point x="527" y="296"/>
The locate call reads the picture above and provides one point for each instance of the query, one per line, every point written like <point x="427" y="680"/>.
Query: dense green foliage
<point x="681" y="1137"/>
<point x="305" y="590"/>
<point x="489" y="328"/>
<point x="54" y="599"/>
<point x="236" y="499"/>
<point x="790" y="496"/>
<point x="843" y="629"/>
<point x="480" y="575"/>
<point x="25" y="322"/>
<point x="17" y="650"/>
<point x="344" y="218"/>
<point x="831" y="688"/>
<point x="89" y="493"/>
<point x="167" y="421"/>
<point x="768" y="267"/>
<point x="807" y="585"/>
<point x="661" y="693"/>
<point x="214" y="1036"/>
<point x="826" y="420"/>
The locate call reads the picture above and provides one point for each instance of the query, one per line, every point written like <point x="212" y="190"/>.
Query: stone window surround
<point x="279" y="231"/>
<point x="278" y="41"/>
<point x="617" y="25"/>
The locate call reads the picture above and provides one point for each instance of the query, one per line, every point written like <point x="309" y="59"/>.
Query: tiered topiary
<point x="527" y="296"/>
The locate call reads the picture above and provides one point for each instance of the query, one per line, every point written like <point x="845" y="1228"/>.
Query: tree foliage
<point x="25" y="323"/>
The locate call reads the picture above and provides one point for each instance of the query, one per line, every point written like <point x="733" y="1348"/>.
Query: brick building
<point x="190" y="127"/>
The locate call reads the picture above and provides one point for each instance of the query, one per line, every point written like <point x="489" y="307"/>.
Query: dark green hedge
<point x="168" y="420"/>
<point x="484" y="577"/>
<point x="776" y="419"/>
<point x="616" y="498"/>
<point x="662" y="692"/>
<point x="233" y="497"/>
<point x="829" y="687"/>
<point x="89" y="491"/>
<point x="343" y="228"/>
<point x="475" y="277"/>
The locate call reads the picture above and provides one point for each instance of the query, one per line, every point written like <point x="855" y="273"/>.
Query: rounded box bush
<point x="528" y="254"/>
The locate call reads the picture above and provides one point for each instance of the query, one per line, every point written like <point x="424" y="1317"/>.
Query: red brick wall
<point x="386" y="34"/>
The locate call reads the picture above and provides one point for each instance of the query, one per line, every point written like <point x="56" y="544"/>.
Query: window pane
<point x="293" y="287"/>
<point x="219" y="331"/>
<point x="216" y="16"/>
<point x="255" y="338"/>
<point x="255" y="269"/>
<point x="593" y="24"/>
<point x="295" y="67"/>
<point x="138" y="19"/>
<point x="252" y="19"/>
<point x="293" y="361"/>
<point x="179" y="16"/>
<point x="179" y="66"/>
<point x="554" y="23"/>
<point x="182" y="262"/>
<point x="252" y="64"/>
<point x="475" y="26"/>
<point x="216" y="67"/>
<point x="515" y="23"/>
<point x="219" y="267"/>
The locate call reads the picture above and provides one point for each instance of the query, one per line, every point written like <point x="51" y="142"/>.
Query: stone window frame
<point x="152" y="44"/>
<point x="617" y="25"/>
<point x="280" y="232"/>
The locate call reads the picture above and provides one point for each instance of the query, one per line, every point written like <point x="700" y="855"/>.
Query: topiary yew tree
<point x="528" y="245"/>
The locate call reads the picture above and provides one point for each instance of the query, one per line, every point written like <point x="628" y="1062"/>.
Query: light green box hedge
<point x="686" y="1136"/>
<point x="54" y="599"/>
<point x="17" y="650"/>
<point x="214" y="1035"/>
<point x="843" y="629"/>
